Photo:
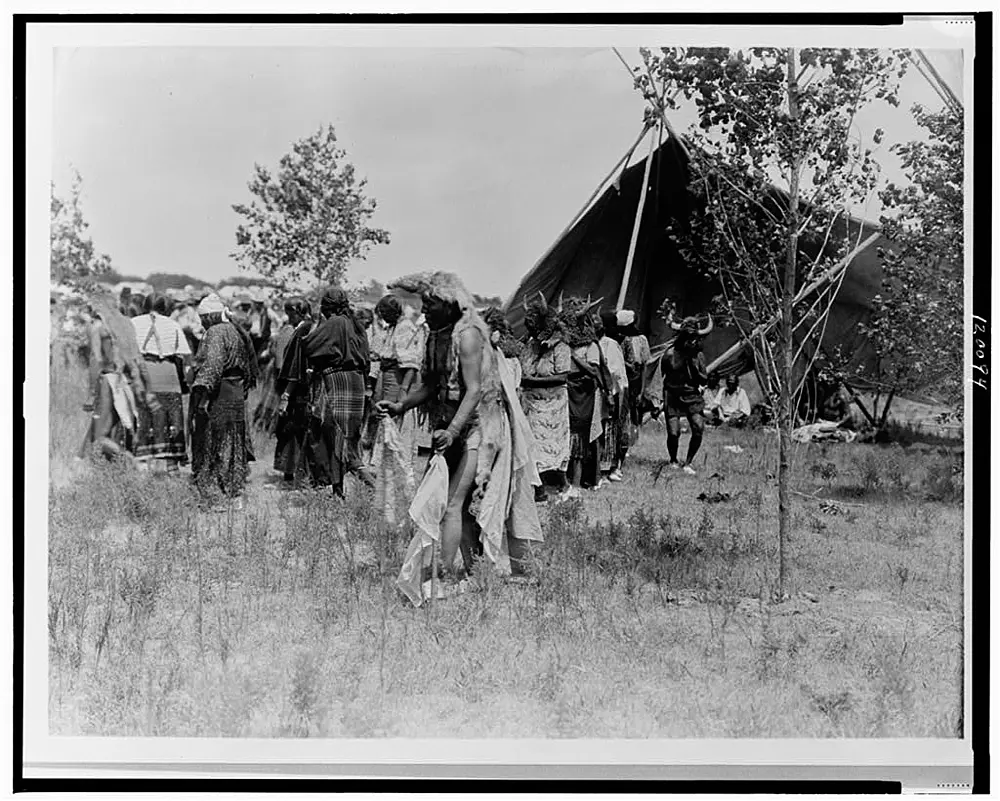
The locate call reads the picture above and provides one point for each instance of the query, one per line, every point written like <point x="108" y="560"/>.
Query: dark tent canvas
<point x="591" y="257"/>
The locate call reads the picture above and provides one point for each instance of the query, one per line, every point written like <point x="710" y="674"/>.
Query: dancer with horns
<point x="684" y="376"/>
<point x="588" y="385"/>
<point x="546" y="361"/>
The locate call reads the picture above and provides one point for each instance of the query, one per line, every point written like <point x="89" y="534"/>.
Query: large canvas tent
<point x="591" y="256"/>
<point x="617" y="248"/>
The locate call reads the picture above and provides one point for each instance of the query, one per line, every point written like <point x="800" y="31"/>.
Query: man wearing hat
<point x="684" y="375"/>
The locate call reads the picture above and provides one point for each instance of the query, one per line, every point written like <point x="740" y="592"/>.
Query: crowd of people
<point x="350" y="391"/>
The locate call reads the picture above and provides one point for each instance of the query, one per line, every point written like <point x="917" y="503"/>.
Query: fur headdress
<point x="439" y="284"/>
<point x="576" y="321"/>
<point x="502" y="337"/>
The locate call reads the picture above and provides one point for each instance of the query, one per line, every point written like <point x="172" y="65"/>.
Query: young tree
<point x="770" y="117"/>
<point x="311" y="218"/>
<point x="72" y="257"/>
<point x="916" y="328"/>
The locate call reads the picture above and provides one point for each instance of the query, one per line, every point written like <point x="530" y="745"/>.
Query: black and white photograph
<point x="610" y="386"/>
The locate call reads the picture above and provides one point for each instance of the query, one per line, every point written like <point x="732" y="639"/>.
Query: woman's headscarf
<point x="335" y="301"/>
<point x="299" y="306"/>
<point x="389" y="309"/>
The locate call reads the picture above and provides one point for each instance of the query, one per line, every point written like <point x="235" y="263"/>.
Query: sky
<point x="477" y="157"/>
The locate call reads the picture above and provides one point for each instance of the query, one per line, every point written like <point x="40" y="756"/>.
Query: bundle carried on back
<point x="121" y="329"/>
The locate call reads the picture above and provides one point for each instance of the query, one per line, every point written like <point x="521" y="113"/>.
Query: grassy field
<point x="652" y="616"/>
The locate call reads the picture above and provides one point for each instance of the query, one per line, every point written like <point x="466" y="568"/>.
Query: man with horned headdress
<point x="684" y="375"/>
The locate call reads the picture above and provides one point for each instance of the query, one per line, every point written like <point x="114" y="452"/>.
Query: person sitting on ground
<point x="732" y="406"/>
<point x="711" y="397"/>
<point x="835" y="407"/>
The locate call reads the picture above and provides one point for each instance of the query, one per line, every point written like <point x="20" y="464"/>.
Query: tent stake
<point x="638" y="222"/>
<point x="829" y="276"/>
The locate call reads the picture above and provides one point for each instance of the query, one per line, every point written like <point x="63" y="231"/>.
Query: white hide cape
<point x="504" y="504"/>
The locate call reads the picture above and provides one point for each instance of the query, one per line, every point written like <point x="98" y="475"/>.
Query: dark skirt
<point x="292" y="452"/>
<point x="161" y="432"/>
<point x="336" y="416"/>
<point x="265" y="416"/>
<point x="616" y="440"/>
<point x="219" y="442"/>
<point x="582" y="390"/>
<point x="683" y="402"/>
<point x="587" y="453"/>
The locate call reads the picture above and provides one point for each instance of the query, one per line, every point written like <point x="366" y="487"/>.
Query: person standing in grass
<point x="376" y="334"/>
<point x="292" y="451"/>
<point x="399" y="356"/>
<point x="684" y="376"/>
<point x="116" y="382"/>
<point x="337" y="353"/>
<point x="615" y="442"/>
<point x="265" y="415"/>
<point x="636" y="352"/>
<point x="588" y="384"/>
<point x="478" y="427"/>
<point x="546" y="361"/>
<point x="162" y="435"/>
<point x="226" y="372"/>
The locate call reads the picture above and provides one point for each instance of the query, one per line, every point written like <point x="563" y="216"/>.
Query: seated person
<point x="836" y="406"/>
<point x="711" y="395"/>
<point x="731" y="406"/>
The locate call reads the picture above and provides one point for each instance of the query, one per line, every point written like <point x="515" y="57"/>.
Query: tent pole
<point x="583" y="209"/>
<point x="828" y="276"/>
<point x="638" y="221"/>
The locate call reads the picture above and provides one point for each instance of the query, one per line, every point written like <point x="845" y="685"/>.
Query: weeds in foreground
<point x="653" y="619"/>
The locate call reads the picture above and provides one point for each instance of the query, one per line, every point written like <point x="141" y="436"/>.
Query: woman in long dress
<point x="162" y="436"/>
<point x="546" y="362"/>
<point x="226" y="372"/>
<point x="266" y="413"/>
<point x="399" y="355"/>
<point x="587" y="384"/>
<point x="337" y="354"/>
<point x="615" y="443"/>
<point x="291" y="451"/>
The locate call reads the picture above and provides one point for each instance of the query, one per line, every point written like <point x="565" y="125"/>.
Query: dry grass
<point x="651" y="618"/>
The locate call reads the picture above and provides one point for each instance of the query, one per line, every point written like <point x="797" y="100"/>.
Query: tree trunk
<point x="786" y="416"/>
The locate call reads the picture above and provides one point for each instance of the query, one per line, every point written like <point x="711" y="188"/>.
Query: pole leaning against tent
<point x="638" y="221"/>
<point x="583" y="209"/>
<point x="828" y="276"/>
